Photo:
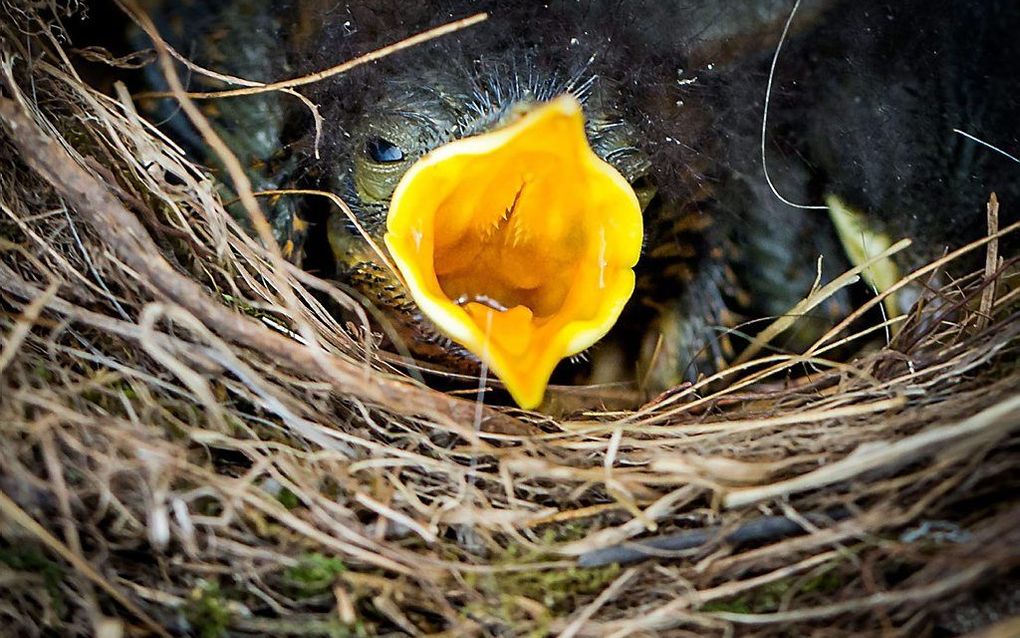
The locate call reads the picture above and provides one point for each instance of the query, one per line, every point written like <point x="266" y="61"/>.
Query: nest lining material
<point x="191" y="443"/>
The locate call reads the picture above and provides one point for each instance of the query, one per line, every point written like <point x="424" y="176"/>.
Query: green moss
<point x="247" y="308"/>
<point x="104" y="394"/>
<point x="208" y="610"/>
<point x="767" y="598"/>
<point x="762" y="600"/>
<point x="288" y="499"/>
<point x="826" y="582"/>
<point x="43" y="372"/>
<point x="29" y="558"/>
<point x="738" y="605"/>
<point x="559" y="590"/>
<point x="315" y="573"/>
<point x="565" y="532"/>
<point x="94" y="395"/>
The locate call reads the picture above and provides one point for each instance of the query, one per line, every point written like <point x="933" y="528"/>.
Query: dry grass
<point x="190" y="442"/>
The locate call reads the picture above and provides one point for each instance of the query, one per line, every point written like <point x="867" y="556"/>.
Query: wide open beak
<point x="518" y="244"/>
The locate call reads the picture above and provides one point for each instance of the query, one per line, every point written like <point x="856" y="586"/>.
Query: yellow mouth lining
<point x="518" y="244"/>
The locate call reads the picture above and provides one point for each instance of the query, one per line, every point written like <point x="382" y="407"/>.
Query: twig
<point x="1004" y="416"/>
<point x="667" y="615"/>
<point x="318" y="76"/>
<point x="940" y="588"/>
<point x="28" y="317"/>
<point x="991" y="264"/>
<point x="585" y="615"/>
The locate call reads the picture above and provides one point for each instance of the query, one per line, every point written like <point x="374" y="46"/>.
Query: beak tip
<point x="529" y="396"/>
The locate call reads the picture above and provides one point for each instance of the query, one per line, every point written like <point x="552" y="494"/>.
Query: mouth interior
<point x="518" y="244"/>
<point x="503" y="252"/>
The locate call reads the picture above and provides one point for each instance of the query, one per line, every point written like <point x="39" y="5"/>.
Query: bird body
<point x="863" y="103"/>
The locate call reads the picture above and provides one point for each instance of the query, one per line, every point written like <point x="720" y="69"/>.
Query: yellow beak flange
<point x="518" y="244"/>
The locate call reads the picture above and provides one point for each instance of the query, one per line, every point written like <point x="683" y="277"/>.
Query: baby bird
<point x="522" y="186"/>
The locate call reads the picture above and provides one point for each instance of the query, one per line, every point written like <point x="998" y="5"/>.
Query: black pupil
<point x="383" y="151"/>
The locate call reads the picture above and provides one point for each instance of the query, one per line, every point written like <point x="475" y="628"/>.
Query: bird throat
<point x="504" y="261"/>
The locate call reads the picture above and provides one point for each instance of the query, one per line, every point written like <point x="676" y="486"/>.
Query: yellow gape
<point x="518" y="244"/>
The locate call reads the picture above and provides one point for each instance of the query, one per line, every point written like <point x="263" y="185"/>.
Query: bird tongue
<point x="508" y="330"/>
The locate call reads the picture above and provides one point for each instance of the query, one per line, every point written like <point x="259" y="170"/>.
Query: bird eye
<point x="383" y="151"/>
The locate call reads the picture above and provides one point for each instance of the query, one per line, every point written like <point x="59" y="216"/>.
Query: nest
<point x="190" y="443"/>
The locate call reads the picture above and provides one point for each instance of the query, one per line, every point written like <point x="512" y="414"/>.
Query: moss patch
<point x="767" y="598"/>
<point x="314" y="574"/>
<point x="510" y="596"/>
<point x="207" y="610"/>
<point x="31" y="559"/>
